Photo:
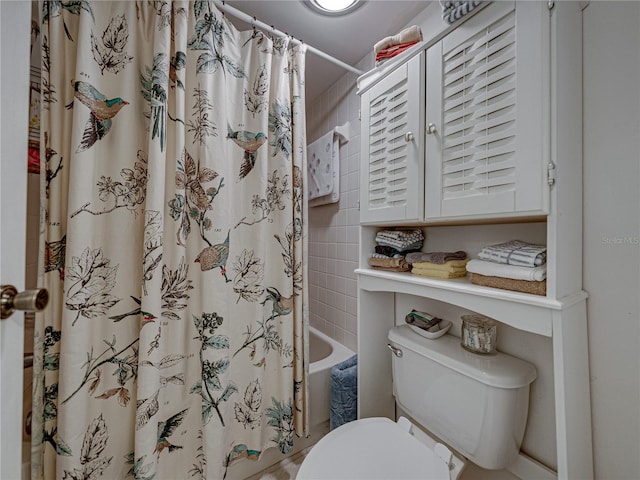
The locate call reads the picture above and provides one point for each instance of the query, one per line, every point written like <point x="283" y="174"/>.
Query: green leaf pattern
<point x="177" y="309"/>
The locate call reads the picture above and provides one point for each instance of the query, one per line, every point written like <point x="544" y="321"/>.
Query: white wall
<point x="612" y="232"/>
<point x="333" y="228"/>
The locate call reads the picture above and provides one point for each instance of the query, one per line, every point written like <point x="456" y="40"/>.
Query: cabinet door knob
<point x="431" y="129"/>
<point x="409" y="137"/>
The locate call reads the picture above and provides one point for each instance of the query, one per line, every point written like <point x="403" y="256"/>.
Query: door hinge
<point x="359" y="114"/>
<point x="551" y="4"/>
<point x="551" y="174"/>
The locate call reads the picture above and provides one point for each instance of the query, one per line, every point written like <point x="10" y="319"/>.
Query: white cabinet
<point x="504" y="94"/>
<point x="392" y="167"/>
<point x="487" y="111"/>
<point x="459" y="130"/>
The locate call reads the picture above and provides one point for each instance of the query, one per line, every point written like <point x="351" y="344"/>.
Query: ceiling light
<point x="333" y="7"/>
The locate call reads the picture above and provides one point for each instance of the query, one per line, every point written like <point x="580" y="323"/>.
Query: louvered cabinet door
<point x="392" y="149"/>
<point x="487" y="116"/>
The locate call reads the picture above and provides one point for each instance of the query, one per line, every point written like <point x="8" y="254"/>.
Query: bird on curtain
<point x="281" y="305"/>
<point x="166" y="429"/>
<point x="102" y="111"/>
<point x="215" y="256"/>
<point x="250" y="142"/>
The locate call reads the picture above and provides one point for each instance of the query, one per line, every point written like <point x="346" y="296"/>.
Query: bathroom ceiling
<point x="348" y="38"/>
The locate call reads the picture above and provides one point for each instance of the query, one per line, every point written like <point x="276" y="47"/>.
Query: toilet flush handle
<point x="396" y="351"/>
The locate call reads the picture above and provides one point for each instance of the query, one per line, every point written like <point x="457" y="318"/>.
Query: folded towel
<point x="421" y="320"/>
<point x="436" y="257"/>
<point x="394" y="269"/>
<point x="524" y="286"/>
<point x="408" y="35"/>
<point x="395" y="263"/>
<point x="453" y="11"/>
<point x="442" y="268"/>
<point x="344" y="392"/>
<point x="393" y="51"/>
<point x="389" y="251"/>
<point x="515" y="252"/>
<point x="380" y="255"/>
<point x="402" y="240"/>
<point x="450" y="265"/>
<point x="491" y="269"/>
<point x="429" y="272"/>
<point x="400" y="235"/>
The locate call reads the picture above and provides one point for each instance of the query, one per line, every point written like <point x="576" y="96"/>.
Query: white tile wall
<point x="333" y="228"/>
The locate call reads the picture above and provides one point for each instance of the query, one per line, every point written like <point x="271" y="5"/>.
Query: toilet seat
<point x="372" y="448"/>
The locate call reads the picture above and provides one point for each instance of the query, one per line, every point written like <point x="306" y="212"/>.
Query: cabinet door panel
<point x="486" y="85"/>
<point x="392" y="168"/>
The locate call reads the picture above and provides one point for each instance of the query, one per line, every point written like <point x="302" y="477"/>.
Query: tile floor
<point x="285" y="470"/>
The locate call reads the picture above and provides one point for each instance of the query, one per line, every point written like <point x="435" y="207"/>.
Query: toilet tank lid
<point x="496" y="370"/>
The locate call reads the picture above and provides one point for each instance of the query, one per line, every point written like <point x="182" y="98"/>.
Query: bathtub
<point x="324" y="353"/>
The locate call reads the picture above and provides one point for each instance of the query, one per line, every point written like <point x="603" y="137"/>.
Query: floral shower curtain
<point x="173" y="234"/>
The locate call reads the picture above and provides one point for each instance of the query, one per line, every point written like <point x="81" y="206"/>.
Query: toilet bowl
<point x="379" y="448"/>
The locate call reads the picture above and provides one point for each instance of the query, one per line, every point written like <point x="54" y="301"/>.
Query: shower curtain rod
<point x="253" y="21"/>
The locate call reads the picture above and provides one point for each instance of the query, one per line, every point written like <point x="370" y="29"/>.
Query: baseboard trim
<point x="527" y="468"/>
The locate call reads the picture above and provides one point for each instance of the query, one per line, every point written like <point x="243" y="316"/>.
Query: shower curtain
<point x="173" y="238"/>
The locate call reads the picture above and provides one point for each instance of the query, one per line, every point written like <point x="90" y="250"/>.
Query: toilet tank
<point x="478" y="404"/>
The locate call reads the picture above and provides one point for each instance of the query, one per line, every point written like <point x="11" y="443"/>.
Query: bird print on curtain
<point x="102" y="110"/>
<point x="173" y="236"/>
<point x="250" y="142"/>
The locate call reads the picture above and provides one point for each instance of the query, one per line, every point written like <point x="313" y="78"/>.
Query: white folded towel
<point x="491" y="269"/>
<point x="409" y="34"/>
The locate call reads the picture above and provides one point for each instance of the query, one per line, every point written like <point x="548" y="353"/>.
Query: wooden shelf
<point x="531" y="313"/>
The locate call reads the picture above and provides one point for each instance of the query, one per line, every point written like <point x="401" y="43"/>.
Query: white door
<point x="14" y="99"/>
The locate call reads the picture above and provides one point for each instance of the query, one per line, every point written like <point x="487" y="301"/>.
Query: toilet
<point x="475" y="405"/>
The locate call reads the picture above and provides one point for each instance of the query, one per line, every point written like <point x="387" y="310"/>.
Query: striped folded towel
<point x="402" y="240"/>
<point x="515" y="252"/>
<point x="453" y="11"/>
